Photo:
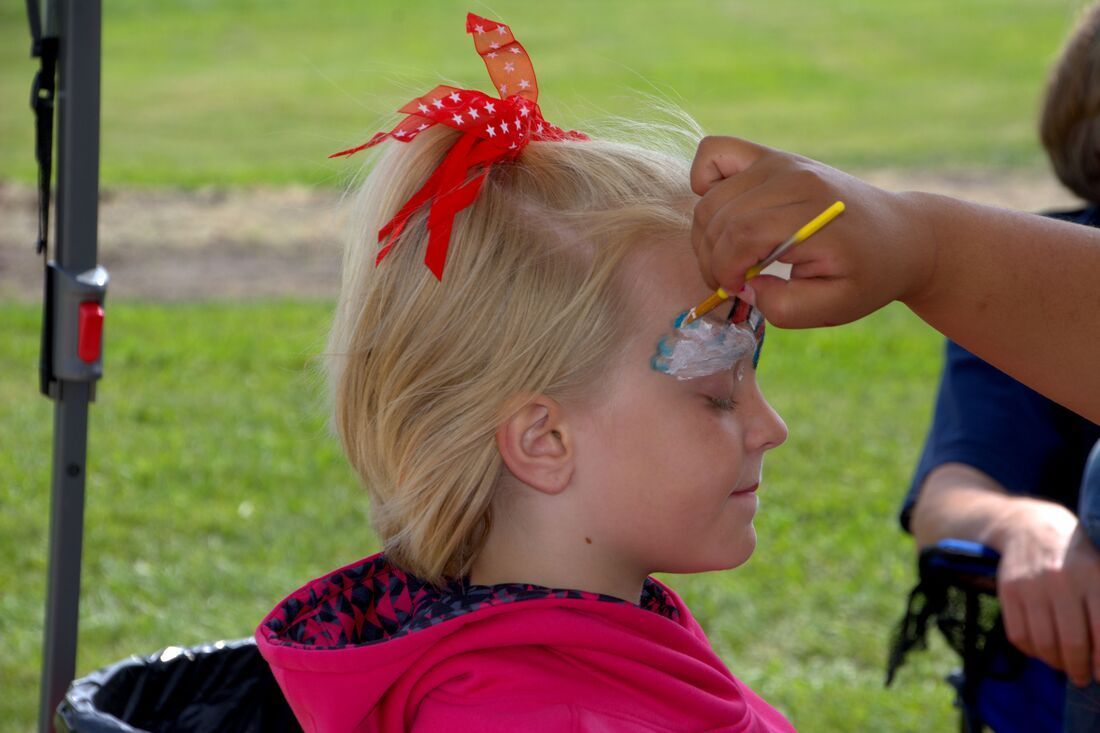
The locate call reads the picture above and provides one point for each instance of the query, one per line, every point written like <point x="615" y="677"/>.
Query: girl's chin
<point x="728" y="559"/>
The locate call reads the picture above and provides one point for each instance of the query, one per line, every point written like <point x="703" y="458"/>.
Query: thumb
<point x="718" y="158"/>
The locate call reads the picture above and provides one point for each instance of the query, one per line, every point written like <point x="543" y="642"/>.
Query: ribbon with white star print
<point x="494" y="129"/>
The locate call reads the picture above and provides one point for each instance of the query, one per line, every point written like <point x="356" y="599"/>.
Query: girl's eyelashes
<point x="722" y="403"/>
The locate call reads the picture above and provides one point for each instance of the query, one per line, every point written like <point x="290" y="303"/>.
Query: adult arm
<point x="1021" y="291"/>
<point x="1048" y="581"/>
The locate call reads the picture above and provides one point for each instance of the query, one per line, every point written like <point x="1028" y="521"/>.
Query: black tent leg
<point x="66" y="542"/>
<point x="79" y="33"/>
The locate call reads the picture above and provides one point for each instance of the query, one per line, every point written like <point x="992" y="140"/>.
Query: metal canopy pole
<point x="72" y="328"/>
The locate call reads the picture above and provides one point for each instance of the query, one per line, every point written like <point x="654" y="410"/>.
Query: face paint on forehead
<point x="710" y="345"/>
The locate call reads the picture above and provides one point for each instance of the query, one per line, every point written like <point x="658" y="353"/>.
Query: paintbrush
<point x="721" y="295"/>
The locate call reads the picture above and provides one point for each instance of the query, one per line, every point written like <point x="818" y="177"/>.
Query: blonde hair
<point x="423" y="372"/>
<point x="1069" y="126"/>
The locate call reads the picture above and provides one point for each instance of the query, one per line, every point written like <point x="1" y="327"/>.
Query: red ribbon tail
<point x="378" y="137"/>
<point x="441" y="221"/>
<point x="442" y="186"/>
<point x="383" y="252"/>
<point x="447" y="179"/>
<point x="393" y="228"/>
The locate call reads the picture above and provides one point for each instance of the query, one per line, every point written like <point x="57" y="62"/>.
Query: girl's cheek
<point x="721" y="432"/>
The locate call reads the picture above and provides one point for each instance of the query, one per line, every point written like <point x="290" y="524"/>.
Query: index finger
<point x="719" y="157"/>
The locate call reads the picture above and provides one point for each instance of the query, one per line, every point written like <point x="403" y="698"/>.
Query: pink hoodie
<point x="372" y="648"/>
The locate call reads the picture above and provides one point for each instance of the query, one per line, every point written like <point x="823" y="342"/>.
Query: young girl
<point x="526" y="466"/>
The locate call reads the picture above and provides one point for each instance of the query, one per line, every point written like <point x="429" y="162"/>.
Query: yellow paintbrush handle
<point x="800" y="236"/>
<point x="819" y="221"/>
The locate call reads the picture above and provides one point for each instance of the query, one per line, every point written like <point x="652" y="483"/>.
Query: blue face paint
<point x="710" y="345"/>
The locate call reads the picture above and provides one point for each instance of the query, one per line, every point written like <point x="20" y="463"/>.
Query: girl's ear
<point x="536" y="445"/>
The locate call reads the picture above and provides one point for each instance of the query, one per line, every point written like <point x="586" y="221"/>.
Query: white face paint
<point x="704" y="347"/>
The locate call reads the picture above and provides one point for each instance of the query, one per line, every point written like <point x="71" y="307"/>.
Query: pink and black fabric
<point x="370" y="647"/>
<point x="373" y="601"/>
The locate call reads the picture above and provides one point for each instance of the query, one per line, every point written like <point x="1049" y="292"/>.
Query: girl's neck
<point x="555" y="566"/>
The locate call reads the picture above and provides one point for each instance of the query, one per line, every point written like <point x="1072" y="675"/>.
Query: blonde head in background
<point x="531" y="302"/>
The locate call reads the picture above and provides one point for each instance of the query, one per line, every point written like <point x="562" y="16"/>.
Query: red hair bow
<point x="494" y="129"/>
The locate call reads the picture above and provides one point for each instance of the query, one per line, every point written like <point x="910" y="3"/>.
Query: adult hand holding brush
<point x="1019" y="290"/>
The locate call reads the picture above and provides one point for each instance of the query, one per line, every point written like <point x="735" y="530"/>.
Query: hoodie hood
<point x="370" y="647"/>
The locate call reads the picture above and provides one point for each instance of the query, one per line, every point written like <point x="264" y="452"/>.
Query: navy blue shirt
<point x="986" y="419"/>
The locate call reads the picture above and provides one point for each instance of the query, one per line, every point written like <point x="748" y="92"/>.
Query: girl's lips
<point x="747" y="490"/>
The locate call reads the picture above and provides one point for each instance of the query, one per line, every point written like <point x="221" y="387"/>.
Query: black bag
<point x="223" y="686"/>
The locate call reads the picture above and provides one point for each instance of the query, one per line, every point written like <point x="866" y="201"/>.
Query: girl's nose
<point x="768" y="429"/>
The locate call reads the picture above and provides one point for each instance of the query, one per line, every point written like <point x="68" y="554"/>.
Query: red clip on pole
<point x="90" y="332"/>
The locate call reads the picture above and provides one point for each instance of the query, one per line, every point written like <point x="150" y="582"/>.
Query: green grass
<point x="214" y="489"/>
<point x="207" y="91"/>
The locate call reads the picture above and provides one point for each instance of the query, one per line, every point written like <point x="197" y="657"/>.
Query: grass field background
<point x="208" y="91"/>
<point x="214" y="487"/>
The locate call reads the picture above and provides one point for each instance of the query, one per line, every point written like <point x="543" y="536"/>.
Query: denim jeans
<point x="1088" y="509"/>
<point x="1082" y="712"/>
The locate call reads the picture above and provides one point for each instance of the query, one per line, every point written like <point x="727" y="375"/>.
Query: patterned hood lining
<point x="374" y="601"/>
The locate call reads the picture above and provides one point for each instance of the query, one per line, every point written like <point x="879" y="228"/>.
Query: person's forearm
<point x="1019" y="290"/>
<point x="960" y="502"/>
<point x="1022" y="292"/>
